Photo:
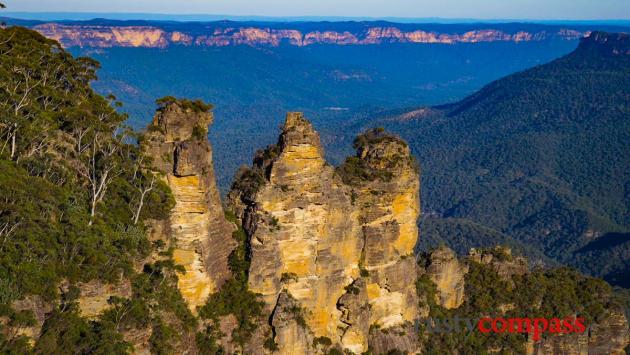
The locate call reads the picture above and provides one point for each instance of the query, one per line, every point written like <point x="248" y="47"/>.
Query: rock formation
<point x="609" y="336"/>
<point x="447" y="272"/>
<point x="177" y="141"/>
<point x="386" y="190"/>
<point x="104" y="36"/>
<point x="342" y="252"/>
<point x="501" y="260"/>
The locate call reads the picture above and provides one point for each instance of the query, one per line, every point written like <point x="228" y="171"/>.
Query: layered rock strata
<point x="447" y="272"/>
<point x="341" y="253"/>
<point x="104" y="36"/>
<point x="201" y="236"/>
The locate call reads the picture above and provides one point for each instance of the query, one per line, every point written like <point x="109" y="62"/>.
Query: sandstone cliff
<point x="447" y="272"/>
<point x="342" y="253"/>
<point x="201" y="236"/>
<point x="105" y="36"/>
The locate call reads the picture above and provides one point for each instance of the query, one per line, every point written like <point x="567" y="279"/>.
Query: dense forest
<point x="539" y="157"/>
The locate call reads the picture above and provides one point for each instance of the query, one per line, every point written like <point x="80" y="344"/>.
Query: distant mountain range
<point x="102" y="33"/>
<point x="85" y="16"/>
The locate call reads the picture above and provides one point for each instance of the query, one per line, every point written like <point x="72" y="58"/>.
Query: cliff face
<point x="342" y="253"/>
<point x="609" y="336"/>
<point x="197" y="228"/>
<point x="388" y="204"/>
<point x="447" y="272"/>
<point x="103" y="36"/>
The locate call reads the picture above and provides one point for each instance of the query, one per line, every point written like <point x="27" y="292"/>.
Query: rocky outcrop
<point x="197" y="228"/>
<point x="216" y="35"/>
<point x="447" y="272"/>
<point x="301" y="238"/>
<point x="291" y="331"/>
<point x="338" y="247"/>
<point x="609" y="336"/>
<point x="386" y="185"/>
<point x="501" y="260"/>
<point x="108" y="36"/>
<point x="95" y="296"/>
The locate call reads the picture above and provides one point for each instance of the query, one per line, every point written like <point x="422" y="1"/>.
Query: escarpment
<point x="201" y="236"/>
<point x="220" y="35"/>
<point x="340" y="244"/>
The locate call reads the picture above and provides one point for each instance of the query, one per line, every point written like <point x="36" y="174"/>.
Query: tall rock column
<point x="386" y="184"/>
<point x="177" y="141"/>
<point x="334" y="248"/>
<point x="303" y="232"/>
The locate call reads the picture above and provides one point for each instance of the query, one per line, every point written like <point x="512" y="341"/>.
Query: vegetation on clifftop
<point x="198" y="106"/>
<point x="391" y="154"/>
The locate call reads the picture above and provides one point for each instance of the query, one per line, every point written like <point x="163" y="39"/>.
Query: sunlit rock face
<point x="342" y="253"/>
<point x="388" y="204"/>
<point x="178" y="145"/>
<point x="103" y="36"/>
<point x="447" y="272"/>
<point x="304" y="239"/>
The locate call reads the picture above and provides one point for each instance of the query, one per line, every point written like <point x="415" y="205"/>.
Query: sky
<point x="477" y="9"/>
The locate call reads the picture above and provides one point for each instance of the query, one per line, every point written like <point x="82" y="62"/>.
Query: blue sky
<point x="481" y="9"/>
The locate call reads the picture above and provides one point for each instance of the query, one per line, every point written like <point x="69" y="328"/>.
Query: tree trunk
<point x="13" y="145"/>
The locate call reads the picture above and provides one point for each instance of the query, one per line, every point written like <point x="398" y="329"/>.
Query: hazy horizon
<point x="530" y="10"/>
<point x="183" y="17"/>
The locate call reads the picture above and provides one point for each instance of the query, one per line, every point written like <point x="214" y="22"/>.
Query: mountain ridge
<point x="106" y="33"/>
<point x="538" y="155"/>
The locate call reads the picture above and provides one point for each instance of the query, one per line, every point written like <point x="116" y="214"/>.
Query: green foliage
<point x="65" y="330"/>
<point x="199" y="133"/>
<point x="68" y="177"/>
<point x="375" y="136"/>
<point x="234" y="297"/>
<point x="162" y="338"/>
<point x="248" y="181"/>
<point x="13" y="343"/>
<point x="553" y="293"/>
<point x="298" y="315"/>
<point x="353" y="289"/>
<point x="270" y="344"/>
<point x="324" y="341"/>
<point x="357" y="170"/>
<point x="462" y="234"/>
<point x="288" y="277"/>
<point x="194" y="105"/>
<point x="207" y="341"/>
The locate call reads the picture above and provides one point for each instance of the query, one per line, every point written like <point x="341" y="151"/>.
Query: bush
<point x="194" y="105"/>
